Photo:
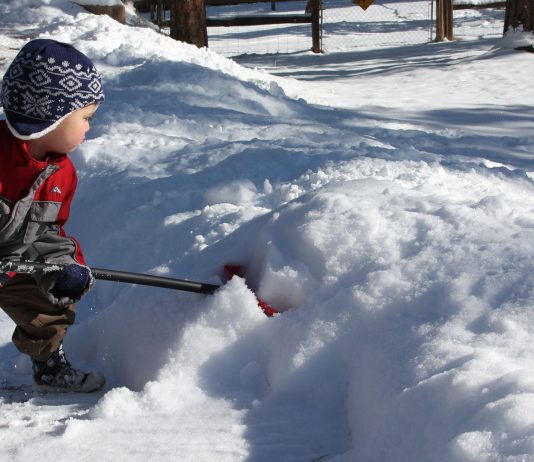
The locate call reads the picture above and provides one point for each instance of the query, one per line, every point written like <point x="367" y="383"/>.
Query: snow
<point x="382" y="198"/>
<point x="100" y="2"/>
<point x="477" y="2"/>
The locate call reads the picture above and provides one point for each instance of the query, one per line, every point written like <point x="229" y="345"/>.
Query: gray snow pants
<point x="41" y="325"/>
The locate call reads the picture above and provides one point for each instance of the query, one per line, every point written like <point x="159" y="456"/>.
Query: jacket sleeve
<point x="51" y="243"/>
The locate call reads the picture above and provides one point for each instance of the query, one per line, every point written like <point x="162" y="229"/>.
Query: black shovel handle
<point x="113" y="275"/>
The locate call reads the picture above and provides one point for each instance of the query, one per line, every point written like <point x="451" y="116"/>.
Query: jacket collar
<point x="24" y="157"/>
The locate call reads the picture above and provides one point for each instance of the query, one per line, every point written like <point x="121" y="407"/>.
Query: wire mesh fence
<point x="479" y="23"/>
<point x="345" y="26"/>
<point x="266" y="39"/>
<point x="384" y="23"/>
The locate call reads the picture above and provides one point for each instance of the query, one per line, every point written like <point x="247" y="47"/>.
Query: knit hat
<point x="46" y="82"/>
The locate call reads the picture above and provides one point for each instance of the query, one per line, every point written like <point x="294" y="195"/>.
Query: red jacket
<point x="35" y="198"/>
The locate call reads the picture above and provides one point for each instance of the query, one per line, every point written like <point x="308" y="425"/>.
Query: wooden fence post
<point x="313" y="8"/>
<point x="188" y="22"/>
<point x="449" y="15"/>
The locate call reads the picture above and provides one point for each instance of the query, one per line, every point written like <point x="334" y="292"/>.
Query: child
<point x="49" y="93"/>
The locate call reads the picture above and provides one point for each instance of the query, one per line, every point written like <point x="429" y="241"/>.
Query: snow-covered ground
<point x="382" y="198"/>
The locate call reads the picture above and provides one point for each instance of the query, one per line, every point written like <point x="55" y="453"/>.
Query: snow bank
<point x="516" y="38"/>
<point x="401" y="256"/>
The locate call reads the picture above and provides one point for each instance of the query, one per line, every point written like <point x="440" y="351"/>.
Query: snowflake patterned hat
<point x="46" y="82"/>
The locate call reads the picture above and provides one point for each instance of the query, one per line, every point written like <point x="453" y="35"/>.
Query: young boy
<point x="49" y="93"/>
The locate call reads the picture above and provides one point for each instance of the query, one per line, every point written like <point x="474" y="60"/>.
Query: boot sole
<point x="93" y="382"/>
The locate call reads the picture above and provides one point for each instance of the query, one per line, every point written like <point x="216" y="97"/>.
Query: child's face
<point x="70" y="133"/>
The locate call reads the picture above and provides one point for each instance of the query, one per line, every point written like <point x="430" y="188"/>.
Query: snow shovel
<point x="28" y="267"/>
<point x="239" y="270"/>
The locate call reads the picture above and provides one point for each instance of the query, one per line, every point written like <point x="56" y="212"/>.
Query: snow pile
<point x="400" y="250"/>
<point x="518" y="38"/>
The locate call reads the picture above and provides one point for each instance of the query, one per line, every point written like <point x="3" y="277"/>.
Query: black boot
<point x="57" y="375"/>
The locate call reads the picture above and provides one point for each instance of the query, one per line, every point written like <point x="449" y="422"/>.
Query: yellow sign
<point x="363" y="3"/>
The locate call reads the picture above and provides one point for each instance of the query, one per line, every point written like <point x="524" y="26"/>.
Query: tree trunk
<point x="519" y="12"/>
<point x="188" y="22"/>
<point x="444" y="20"/>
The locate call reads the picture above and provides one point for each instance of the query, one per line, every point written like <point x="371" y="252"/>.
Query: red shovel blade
<point x="267" y="309"/>
<point x="239" y="270"/>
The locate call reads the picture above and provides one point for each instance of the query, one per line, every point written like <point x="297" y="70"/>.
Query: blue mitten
<point x="72" y="282"/>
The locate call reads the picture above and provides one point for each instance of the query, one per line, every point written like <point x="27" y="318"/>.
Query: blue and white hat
<point x="46" y="82"/>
